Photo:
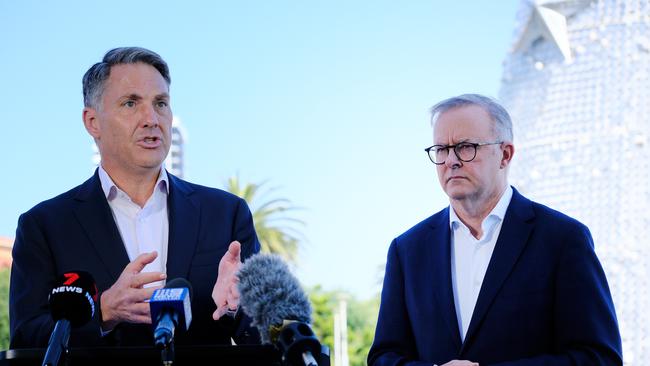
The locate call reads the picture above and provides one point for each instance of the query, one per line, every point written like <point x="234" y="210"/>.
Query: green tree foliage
<point x="278" y="233"/>
<point x="4" y="308"/>
<point x="323" y="304"/>
<point x="361" y="316"/>
<point x="362" y="320"/>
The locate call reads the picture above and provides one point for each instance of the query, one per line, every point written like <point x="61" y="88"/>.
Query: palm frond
<point x="278" y="232"/>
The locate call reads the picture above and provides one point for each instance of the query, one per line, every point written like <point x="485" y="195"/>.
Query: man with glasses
<point x="494" y="278"/>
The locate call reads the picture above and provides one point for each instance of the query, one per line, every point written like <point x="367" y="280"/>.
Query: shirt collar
<point x="498" y="212"/>
<point x="110" y="189"/>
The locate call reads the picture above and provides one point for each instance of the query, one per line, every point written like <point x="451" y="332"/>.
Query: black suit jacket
<point x="76" y="231"/>
<point x="544" y="299"/>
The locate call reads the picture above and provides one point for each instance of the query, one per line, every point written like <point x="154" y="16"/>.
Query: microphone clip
<point x="298" y="344"/>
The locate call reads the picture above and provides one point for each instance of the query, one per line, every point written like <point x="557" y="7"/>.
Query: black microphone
<point x="273" y="298"/>
<point x="72" y="304"/>
<point x="170" y="309"/>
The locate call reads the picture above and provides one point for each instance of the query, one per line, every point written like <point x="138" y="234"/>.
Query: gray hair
<point x="95" y="78"/>
<point x="498" y="114"/>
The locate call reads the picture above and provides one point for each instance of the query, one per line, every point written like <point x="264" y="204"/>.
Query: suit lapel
<point x="95" y="217"/>
<point x="440" y="242"/>
<point x="516" y="229"/>
<point x="184" y="215"/>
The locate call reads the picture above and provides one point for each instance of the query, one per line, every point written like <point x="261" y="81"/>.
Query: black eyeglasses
<point x="465" y="151"/>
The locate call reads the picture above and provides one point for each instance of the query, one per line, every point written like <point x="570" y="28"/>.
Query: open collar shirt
<point x="143" y="229"/>
<point x="471" y="256"/>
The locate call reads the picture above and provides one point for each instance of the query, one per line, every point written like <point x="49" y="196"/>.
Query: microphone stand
<point x="164" y="337"/>
<point x="58" y="343"/>
<point x="167" y="354"/>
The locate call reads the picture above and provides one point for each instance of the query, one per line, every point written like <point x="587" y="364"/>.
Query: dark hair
<point x="96" y="76"/>
<point x="498" y="114"/>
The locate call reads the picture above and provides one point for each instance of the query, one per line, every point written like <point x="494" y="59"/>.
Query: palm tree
<point x="277" y="232"/>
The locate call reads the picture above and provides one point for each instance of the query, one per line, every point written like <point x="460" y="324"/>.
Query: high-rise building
<point x="577" y="83"/>
<point x="174" y="163"/>
<point x="175" y="158"/>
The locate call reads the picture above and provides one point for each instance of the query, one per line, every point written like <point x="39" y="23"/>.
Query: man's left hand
<point x="225" y="293"/>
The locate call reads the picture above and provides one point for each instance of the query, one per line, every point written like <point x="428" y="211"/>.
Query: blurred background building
<point x="174" y="163"/>
<point x="5" y="252"/>
<point x="577" y="85"/>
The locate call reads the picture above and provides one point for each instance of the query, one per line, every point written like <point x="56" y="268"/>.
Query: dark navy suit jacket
<point x="76" y="231"/>
<point x="544" y="299"/>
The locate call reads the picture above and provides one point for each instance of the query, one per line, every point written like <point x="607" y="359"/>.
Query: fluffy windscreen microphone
<point x="279" y="308"/>
<point x="270" y="294"/>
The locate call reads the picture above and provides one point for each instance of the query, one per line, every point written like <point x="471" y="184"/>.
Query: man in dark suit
<point x="132" y="225"/>
<point x="493" y="279"/>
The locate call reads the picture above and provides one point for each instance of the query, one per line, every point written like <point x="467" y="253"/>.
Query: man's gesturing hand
<point x="225" y="293"/>
<point x="125" y="301"/>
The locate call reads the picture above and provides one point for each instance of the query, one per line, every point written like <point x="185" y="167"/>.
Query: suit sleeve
<point x="585" y="319"/>
<point x="29" y="316"/>
<point x="244" y="230"/>
<point x="33" y="274"/>
<point x="393" y="343"/>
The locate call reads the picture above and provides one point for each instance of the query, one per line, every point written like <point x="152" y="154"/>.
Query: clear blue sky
<point x="327" y="100"/>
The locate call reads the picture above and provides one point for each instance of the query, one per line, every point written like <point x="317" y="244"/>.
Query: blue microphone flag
<point x="177" y="299"/>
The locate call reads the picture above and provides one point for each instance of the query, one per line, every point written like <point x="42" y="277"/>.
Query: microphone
<point x="273" y="298"/>
<point x="72" y="304"/>
<point x="170" y="308"/>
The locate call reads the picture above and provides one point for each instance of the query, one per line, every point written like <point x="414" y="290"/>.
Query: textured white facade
<point x="577" y="84"/>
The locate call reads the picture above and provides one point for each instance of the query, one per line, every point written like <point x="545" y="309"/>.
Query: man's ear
<point x="89" y="116"/>
<point x="508" y="151"/>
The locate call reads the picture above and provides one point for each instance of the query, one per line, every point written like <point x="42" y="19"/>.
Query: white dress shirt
<point x="143" y="229"/>
<point x="470" y="258"/>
